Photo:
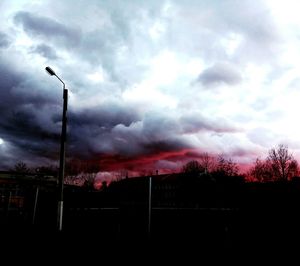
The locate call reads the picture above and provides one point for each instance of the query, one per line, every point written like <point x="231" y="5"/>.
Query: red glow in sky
<point x="143" y="162"/>
<point x="164" y="162"/>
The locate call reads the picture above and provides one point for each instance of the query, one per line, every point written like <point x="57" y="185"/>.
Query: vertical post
<point x="8" y="203"/>
<point x="35" y="204"/>
<point x="62" y="160"/>
<point x="149" y="206"/>
<point x="62" y="152"/>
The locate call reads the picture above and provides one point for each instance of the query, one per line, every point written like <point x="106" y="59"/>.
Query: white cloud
<point x="97" y="76"/>
<point x="285" y="12"/>
<point x="231" y="42"/>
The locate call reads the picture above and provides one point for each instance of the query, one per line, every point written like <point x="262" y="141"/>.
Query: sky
<point x="152" y="84"/>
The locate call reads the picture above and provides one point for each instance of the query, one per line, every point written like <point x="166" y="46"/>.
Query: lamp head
<point x="50" y="71"/>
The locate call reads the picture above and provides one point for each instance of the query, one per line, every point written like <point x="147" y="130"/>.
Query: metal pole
<point x="62" y="158"/>
<point x="35" y="204"/>
<point x="62" y="151"/>
<point x="8" y="203"/>
<point x="149" y="206"/>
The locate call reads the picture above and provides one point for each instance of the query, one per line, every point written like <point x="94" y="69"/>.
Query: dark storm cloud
<point x="159" y="132"/>
<point x="18" y="88"/>
<point x="23" y="131"/>
<point x="45" y="51"/>
<point x="26" y="110"/>
<point x="47" y="28"/>
<point x="4" y="40"/>
<point x="220" y="73"/>
<point x="107" y="115"/>
<point x="159" y="126"/>
<point x="90" y="129"/>
<point x="121" y="130"/>
<point x="10" y="154"/>
<point x="137" y="141"/>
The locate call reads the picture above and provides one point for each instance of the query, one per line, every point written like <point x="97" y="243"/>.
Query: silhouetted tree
<point x="83" y="173"/>
<point x="261" y="171"/>
<point x="192" y="167"/>
<point x="21" y="167"/>
<point x="104" y="185"/>
<point x="293" y="169"/>
<point x="226" y="167"/>
<point x="89" y="181"/>
<point x="207" y="162"/>
<point x="282" y="163"/>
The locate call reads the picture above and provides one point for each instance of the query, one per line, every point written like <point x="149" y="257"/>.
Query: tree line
<point x="77" y="172"/>
<point x="279" y="165"/>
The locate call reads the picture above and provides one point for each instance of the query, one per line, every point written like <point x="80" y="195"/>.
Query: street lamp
<point x="62" y="152"/>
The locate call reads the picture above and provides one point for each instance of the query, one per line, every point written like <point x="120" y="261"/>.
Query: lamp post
<point x="62" y="152"/>
<point x="149" y="206"/>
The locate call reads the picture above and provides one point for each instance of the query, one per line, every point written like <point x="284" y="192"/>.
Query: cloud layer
<point x="150" y="83"/>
